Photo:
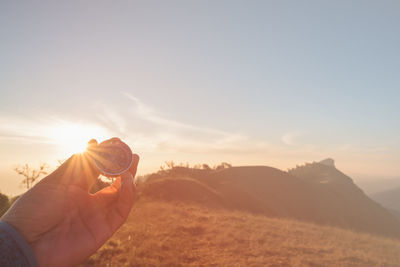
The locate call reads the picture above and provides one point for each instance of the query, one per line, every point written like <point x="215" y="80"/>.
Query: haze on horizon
<point x="250" y="83"/>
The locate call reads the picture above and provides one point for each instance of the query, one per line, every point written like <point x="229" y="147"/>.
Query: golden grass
<point x="176" y="234"/>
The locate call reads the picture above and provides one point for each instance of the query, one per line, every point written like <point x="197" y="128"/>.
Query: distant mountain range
<point x="374" y="185"/>
<point x="315" y="192"/>
<point x="390" y="199"/>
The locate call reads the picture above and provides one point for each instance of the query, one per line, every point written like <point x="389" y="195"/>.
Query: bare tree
<point x="30" y="174"/>
<point x="223" y="165"/>
<point x="170" y="164"/>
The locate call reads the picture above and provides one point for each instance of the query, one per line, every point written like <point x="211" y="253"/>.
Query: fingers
<point x="135" y="163"/>
<point x="126" y="197"/>
<point x="81" y="171"/>
<point x="108" y="195"/>
<point x="126" y="194"/>
<point x="78" y="170"/>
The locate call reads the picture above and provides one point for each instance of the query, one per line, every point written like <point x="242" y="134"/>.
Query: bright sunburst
<point x="73" y="138"/>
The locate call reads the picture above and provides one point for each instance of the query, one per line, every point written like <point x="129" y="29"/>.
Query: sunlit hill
<point x="312" y="215"/>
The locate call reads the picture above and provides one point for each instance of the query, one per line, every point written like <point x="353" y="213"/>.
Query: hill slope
<point x="176" y="234"/>
<point x="315" y="192"/>
<point x="253" y="216"/>
<point x="342" y="197"/>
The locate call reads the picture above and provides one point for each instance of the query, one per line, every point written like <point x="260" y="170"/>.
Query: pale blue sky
<point x="263" y="82"/>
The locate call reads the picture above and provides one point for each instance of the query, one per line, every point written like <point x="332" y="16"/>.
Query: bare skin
<point x="62" y="222"/>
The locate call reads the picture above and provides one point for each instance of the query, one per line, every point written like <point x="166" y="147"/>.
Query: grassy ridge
<point x="178" y="234"/>
<point x="316" y="193"/>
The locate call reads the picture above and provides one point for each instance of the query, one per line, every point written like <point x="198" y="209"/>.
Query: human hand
<point x="62" y="222"/>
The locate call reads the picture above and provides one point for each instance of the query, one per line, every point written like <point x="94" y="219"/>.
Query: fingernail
<point x="92" y="142"/>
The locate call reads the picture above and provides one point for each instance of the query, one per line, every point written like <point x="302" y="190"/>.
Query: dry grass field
<point x="169" y="233"/>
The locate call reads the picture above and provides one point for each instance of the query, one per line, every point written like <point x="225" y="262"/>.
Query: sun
<point x="72" y="138"/>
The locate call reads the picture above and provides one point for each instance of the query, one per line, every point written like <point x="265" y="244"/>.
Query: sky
<point x="274" y="83"/>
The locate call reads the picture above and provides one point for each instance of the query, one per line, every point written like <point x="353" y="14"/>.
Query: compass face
<point x="113" y="157"/>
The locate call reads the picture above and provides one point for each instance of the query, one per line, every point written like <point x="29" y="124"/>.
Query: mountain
<point x="328" y="162"/>
<point x="390" y="199"/>
<point x="316" y="192"/>
<point x="346" y="200"/>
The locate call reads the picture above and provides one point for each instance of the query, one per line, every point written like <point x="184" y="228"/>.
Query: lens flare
<point x="72" y="138"/>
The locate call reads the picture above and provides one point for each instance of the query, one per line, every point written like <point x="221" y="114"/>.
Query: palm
<point x="63" y="223"/>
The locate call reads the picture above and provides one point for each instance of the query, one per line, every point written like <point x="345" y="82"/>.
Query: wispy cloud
<point x="45" y="129"/>
<point x="21" y="129"/>
<point x="153" y="133"/>
<point x="290" y="137"/>
<point x="150" y="114"/>
<point x="150" y="129"/>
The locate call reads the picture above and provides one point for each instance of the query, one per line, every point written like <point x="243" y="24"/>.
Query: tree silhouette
<point x="223" y="165"/>
<point x="30" y="174"/>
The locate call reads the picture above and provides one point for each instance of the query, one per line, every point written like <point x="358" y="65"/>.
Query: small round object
<point x="112" y="157"/>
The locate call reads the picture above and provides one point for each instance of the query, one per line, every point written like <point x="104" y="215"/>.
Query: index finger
<point x="135" y="163"/>
<point x="78" y="170"/>
<point x="126" y="196"/>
